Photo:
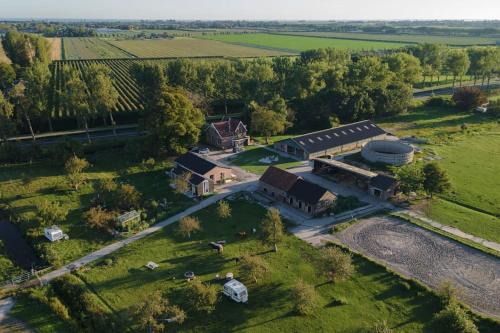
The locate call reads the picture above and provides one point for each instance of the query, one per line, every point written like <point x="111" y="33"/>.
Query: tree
<point x="457" y="63"/>
<point x="223" y="209"/>
<point x="37" y="82"/>
<point x="336" y="264"/>
<point x="149" y="313"/>
<point x="74" y="167"/>
<point x="106" y="192"/>
<point x="203" y="297"/>
<point x="253" y="268"/>
<point x="453" y="319"/>
<point x="7" y="126"/>
<point x="181" y="182"/>
<point x="103" y="96"/>
<point x="272" y="227"/>
<point x="267" y="122"/>
<point x="100" y="219"/>
<point x="410" y="178"/>
<point x="188" y="225"/>
<point x="467" y="98"/>
<point x="305" y="298"/>
<point x="225" y="87"/>
<point x="173" y="122"/>
<point x="7" y="76"/>
<point x="127" y="197"/>
<point x="406" y="67"/>
<point x="75" y="99"/>
<point x="21" y="105"/>
<point x="50" y="213"/>
<point x="175" y="314"/>
<point x="435" y="179"/>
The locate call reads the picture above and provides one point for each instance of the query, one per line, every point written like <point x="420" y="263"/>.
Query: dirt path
<point x="430" y="258"/>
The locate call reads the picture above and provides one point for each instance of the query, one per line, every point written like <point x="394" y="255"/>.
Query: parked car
<point x="203" y="151"/>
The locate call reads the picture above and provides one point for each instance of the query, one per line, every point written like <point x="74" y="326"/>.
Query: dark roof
<point x="196" y="163"/>
<point x="195" y="179"/>
<point x="383" y="182"/>
<point x="279" y="178"/>
<point x="335" y="137"/>
<point x="227" y="128"/>
<point x="307" y="192"/>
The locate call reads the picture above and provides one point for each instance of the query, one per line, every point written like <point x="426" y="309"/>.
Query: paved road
<point x="448" y="91"/>
<point x="430" y="258"/>
<point x="226" y="191"/>
<point x="5" y="306"/>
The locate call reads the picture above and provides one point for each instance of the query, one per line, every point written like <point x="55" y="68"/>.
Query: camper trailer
<point x="236" y="291"/>
<point x="54" y="234"/>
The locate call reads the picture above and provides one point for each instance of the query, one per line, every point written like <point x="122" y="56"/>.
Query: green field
<point x="449" y="40"/>
<point x="372" y="292"/>
<point x="249" y="160"/>
<point x="300" y="43"/>
<point x="90" y="48"/>
<point x="25" y="186"/>
<point x="189" y="47"/>
<point x="472" y="160"/>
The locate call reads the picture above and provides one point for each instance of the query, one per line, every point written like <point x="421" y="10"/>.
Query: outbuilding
<point x="54" y="233"/>
<point x="236" y="291"/>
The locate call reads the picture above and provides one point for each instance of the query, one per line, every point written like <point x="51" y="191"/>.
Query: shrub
<point x="127" y="197"/>
<point x="74" y="167"/>
<point x="253" y="268"/>
<point x="339" y="301"/>
<point x="223" y="209"/>
<point x="100" y="219"/>
<point x="188" y="225"/>
<point x="438" y="101"/>
<point x="453" y="319"/>
<point x="467" y="98"/>
<point x="50" y="213"/>
<point x="305" y="298"/>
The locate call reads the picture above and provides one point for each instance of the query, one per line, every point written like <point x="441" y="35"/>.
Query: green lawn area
<point x="249" y="160"/>
<point x="24" y="186"/>
<point x="372" y="294"/>
<point x="471" y="159"/>
<point x="300" y="43"/>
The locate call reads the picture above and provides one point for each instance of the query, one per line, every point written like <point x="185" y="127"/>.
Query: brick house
<point x="295" y="191"/>
<point x="227" y="134"/>
<point x="205" y="174"/>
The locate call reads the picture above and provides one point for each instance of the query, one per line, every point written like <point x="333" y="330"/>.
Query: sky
<point x="252" y="9"/>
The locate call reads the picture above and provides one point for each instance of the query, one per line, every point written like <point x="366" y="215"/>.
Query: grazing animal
<point x="242" y="234"/>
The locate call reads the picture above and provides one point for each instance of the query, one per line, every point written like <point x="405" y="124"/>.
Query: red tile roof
<point x="279" y="178"/>
<point x="227" y="128"/>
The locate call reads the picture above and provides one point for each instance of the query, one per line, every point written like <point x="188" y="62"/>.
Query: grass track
<point x="300" y="43"/>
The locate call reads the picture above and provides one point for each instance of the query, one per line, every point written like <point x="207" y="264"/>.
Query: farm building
<point x="293" y="190"/>
<point x="227" y="134"/>
<point x="204" y="174"/>
<point x="331" y="141"/>
<point x="378" y="185"/>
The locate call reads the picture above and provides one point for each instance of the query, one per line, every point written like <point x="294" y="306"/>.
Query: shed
<point x="128" y="219"/>
<point x="236" y="291"/>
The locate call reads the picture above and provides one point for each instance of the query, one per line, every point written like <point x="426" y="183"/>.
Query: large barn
<point x="331" y="141"/>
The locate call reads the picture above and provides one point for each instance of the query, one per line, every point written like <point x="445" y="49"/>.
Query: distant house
<point x="227" y="134"/>
<point x="296" y="191"/>
<point x="205" y="174"/>
<point x="331" y="141"/>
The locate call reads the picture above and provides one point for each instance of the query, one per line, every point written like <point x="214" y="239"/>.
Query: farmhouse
<point x="204" y="174"/>
<point x="378" y="185"/>
<point x="331" y="141"/>
<point x="293" y="190"/>
<point x="227" y="134"/>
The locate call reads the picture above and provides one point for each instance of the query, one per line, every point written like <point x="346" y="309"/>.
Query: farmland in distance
<point x="190" y="47"/>
<point x="55" y="48"/>
<point x="300" y="43"/>
<point x="90" y="48"/>
<point x="449" y="40"/>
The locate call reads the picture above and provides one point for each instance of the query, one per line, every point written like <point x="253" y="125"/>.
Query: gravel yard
<point x="430" y="258"/>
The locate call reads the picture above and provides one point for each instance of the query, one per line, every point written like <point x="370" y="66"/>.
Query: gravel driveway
<point x="430" y="258"/>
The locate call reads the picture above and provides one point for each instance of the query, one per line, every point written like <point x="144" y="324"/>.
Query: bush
<point x="336" y="264"/>
<point x="203" y="297"/>
<point x="339" y="301"/>
<point x="127" y="197"/>
<point x="253" y="268"/>
<point x="439" y="101"/>
<point x="468" y="98"/>
<point x="305" y="298"/>
<point x="453" y="319"/>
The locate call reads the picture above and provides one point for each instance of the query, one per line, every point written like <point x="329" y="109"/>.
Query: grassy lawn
<point x="249" y="160"/>
<point x="300" y="43"/>
<point x="23" y="187"/>
<point x="372" y="292"/>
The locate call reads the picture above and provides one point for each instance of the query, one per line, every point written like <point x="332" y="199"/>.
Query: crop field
<point x="300" y="43"/>
<point x="449" y="40"/>
<point x="189" y="47"/>
<point x="90" y="48"/>
<point x="3" y="56"/>
<point x="129" y="98"/>
<point x="55" y="48"/>
<point x="471" y="159"/>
